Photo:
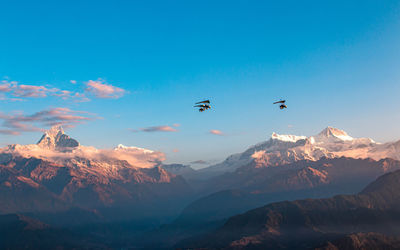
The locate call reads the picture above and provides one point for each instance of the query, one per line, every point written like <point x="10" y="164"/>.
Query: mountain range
<point x="58" y="174"/>
<point x="127" y="197"/>
<point x="373" y="216"/>
<point x="284" y="149"/>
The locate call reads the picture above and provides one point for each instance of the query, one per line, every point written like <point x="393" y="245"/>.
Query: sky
<point x="129" y="72"/>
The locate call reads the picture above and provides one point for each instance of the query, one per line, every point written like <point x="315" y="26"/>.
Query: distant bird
<point x="203" y="107"/>
<point x="283" y="106"/>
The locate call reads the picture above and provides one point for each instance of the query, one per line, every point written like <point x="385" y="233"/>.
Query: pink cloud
<point x="103" y="90"/>
<point x="32" y="91"/>
<point x="73" y="81"/>
<point x="15" y="124"/>
<point x="5" y="86"/>
<point x="159" y="129"/>
<point x="216" y="132"/>
<point x="36" y="91"/>
<point x="77" y="97"/>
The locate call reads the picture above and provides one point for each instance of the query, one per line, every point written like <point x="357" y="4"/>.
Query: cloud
<point x="22" y="91"/>
<point x="6" y="86"/>
<point x="164" y="128"/>
<point x="216" y="132"/>
<point x="15" y="124"/>
<point x="73" y="81"/>
<point x="32" y="91"/>
<point x="9" y="132"/>
<point x="137" y="157"/>
<point x="101" y="89"/>
<point x="199" y="162"/>
<point x="78" y="97"/>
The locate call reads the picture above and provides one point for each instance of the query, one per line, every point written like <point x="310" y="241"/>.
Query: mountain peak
<point x="331" y="132"/>
<point x="54" y="131"/>
<point x="287" y="138"/>
<point x="56" y="138"/>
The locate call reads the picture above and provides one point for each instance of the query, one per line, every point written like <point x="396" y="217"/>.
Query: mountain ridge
<point x="283" y="149"/>
<point x="305" y="224"/>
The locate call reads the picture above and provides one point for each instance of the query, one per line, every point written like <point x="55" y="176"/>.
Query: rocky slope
<point x="21" y="232"/>
<point x="285" y="149"/>
<point x="306" y="224"/>
<point x="58" y="174"/>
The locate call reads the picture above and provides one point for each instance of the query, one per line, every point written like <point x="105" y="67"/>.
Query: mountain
<point x="55" y="138"/>
<point x="178" y="169"/>
<point x="285" y="149"/>
<point x="22" y="232"/>
<point x="344" y="174"/>
<point x="249" y="187"/>
<point x="308" y="224"/>
<point x="58" y="174"/>
<point x="365" y="241"/>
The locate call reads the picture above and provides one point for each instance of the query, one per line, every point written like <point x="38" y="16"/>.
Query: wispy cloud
<point x="216" y="132"/>
<point x="17" y="123"/>
<point x="101" y="89"/>
<point x="77" y="97"/>
<point x="22" y="91"/>
<point x="32" y="91"/>
<point x="6" y="86"/>
<point x="199" y="162"/>
<point x="164" y="128"/>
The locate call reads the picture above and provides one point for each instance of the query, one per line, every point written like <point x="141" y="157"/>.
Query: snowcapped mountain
<point x="285" y="149"/>
<point x="58" y="147"/>
<point x="58" y="173"/>
<point x="55" y="138"/>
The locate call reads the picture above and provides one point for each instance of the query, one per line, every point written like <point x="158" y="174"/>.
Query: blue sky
<point x="336" y="62"/>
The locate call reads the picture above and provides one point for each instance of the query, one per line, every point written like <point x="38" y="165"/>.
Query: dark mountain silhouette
<point x="29" y="185"/>
<point x="21" y="232"/>
<point x="255" y="187"/>
<point x="364" y="241"/>
<point x="305" y="224"/>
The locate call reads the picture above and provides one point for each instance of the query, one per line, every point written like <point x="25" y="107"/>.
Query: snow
<point x="60" y="148"/>
<point x="330" y="142"/>
<point x="123" y="147"/>
<point x="287" y="138"/>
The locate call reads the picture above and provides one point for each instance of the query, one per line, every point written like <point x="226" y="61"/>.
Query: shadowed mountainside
<point x="305" y="224"/>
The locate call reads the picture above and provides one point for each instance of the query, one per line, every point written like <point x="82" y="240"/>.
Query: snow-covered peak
<point x="333" y="133"/>
<point x="287" y="138"/>
<point x="56" y="138"/>
<point x="123" y="147"/>
<point x="54" y="131"/>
